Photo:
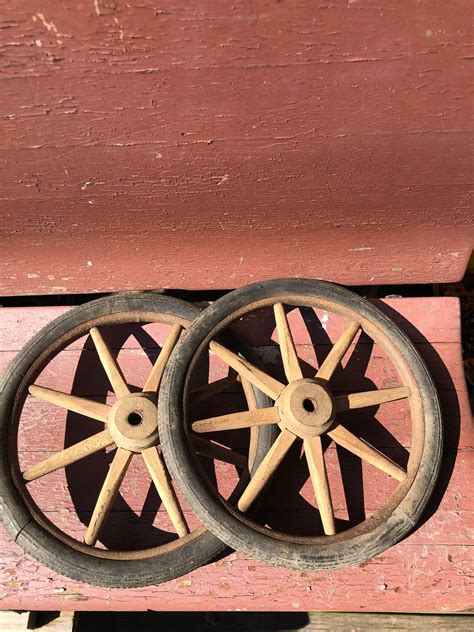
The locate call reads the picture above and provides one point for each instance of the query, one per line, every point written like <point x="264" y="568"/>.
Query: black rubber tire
<point x="15" y="513"/>
<point x="233" y="527"/>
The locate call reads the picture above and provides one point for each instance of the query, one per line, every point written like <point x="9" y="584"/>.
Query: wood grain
<point x="86" y="407"/>
<point x="366" y="399"/>
<point x="433" y="318"/>
<point x="233" y="421"/>
<point x="253" y="374"/>
<point x="429" y="571"/>
<point x="365" y="451"/>
<point x="317" y="469"/>
<point x="161" y="479"/>
<point x="154" y="379"/>
<point x="266" y="469"/>
<point x="108" y="492"/>
<point x="338" y="351"/>
<point x="288" y="351"/>
<point x="70" y="455"/>
<point x="230" y="141"/>
<point x="110" y="364"/>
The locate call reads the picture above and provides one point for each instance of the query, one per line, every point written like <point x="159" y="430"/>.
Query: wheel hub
<point x="306" y="408"/>
<point x="133" y="422"/>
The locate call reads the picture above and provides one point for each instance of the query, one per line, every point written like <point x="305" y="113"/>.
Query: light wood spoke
<point x="110" y="488"/>
<point x="109" y="362"/>
<point x="371" y="398"/>
<point x="162" y="481"/>
<point x="338" y="351"/>
<point x="234" y="421"/>
<point x="153" y="382"/>
<point x="266" y="468"/>
<point x="289" y="356"/>
<point x="204" y="447"/>
<point x="86" y="407"/>
<point x="317" y="468"/>
<point x="254" y="430"/>
<point x="261" y="380"/>
<point x="69" y="455"/>
<point x="206" y="391"/>
<point x="365" y="451"/>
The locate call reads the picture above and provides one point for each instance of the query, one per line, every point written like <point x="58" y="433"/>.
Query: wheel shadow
<point x="126" y="528"/>
<point x="300" y="516"/>
<point x="449" y="402"/>
<point x="129" y="528"/>
<point x="293" y="472"/>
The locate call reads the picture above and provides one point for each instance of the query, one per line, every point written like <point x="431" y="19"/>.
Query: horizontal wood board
<point x="430" y="571"/>
<point x="203" y="145"/>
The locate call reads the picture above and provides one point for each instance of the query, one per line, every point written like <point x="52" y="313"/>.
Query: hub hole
<point x="309" y="405"/>
<point x="134" y="419"/>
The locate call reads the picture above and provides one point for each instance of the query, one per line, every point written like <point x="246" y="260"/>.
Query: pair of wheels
<point x="178" y="447"/>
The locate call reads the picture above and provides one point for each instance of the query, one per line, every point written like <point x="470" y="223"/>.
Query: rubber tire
<point x="225" y="521"/>
<point x="15" y="514"/>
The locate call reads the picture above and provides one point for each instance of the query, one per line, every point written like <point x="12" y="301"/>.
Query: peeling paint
<point x="50" y="26"/>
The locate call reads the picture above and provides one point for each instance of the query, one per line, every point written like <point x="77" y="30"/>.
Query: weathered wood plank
<point x="428" y="571"/>
<point x="410" y="578"/>
<point x="291" y="490"/>
<point x="238" y="259"/>
<point x="265" y="129"/>
<point x="434" y="318"/>
<point x="137" y="366"/>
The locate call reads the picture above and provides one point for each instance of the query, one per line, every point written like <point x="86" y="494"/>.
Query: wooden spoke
<point x="234" y="421"/>
<point x="86" y="407"/>
<point x="153" y="382"/>
<point x="371" y="398"/>
<point x="107" y="495"/>
<point x="317" y="468"/>
<point x="213" y="450"/>
<point x="162" y="481"/>
<point x="109" y="362"/>
<point x="289" y="356"/>
<point x="69" y="455"/>
<point x="261" y="380"/>
<point x="266" y="468"/>
<point x="201" y="393"/>
<point x="365" y="451"/>
<point x="254" y="430"/>
<point x="338" y="351"/>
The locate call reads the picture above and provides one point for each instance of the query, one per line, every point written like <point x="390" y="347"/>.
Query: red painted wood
<point x="428" y="571"/>
<point x="137" y="367"/>
<point x="438" y="321"/>
<point x="421" y="583"/>
<point x="201" y="146"/>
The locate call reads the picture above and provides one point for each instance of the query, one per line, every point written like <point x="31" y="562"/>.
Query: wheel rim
<point x="130" y="424"/>
<point x="306" y="409"/>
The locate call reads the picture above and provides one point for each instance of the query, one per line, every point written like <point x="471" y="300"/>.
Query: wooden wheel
<point x="312" y="416"/>
<point x="121" y="431"/>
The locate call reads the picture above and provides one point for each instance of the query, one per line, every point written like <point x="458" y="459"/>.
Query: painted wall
<point x="209" y="144"/>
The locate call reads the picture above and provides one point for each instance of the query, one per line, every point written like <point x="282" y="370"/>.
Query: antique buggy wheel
<point x="129" y="426"/>
<point x="308" y="412"/>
